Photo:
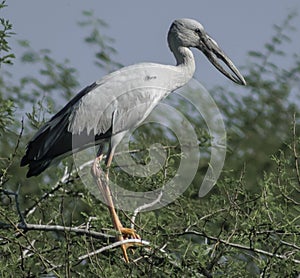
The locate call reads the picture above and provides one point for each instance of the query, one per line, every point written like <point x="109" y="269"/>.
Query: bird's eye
<point x="198" y="31"/>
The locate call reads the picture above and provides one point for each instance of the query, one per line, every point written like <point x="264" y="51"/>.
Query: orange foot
<point x="126" y="234"/>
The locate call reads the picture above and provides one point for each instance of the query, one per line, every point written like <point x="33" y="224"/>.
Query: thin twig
<point x="4" y="171"/>
<point x="68" y="175"/>
<point x="63" y="180"/>
<point x="143" y="207"/>
<point x="16" y="196"/>
<point x="239" y="246"/>
<point x="296" y="156"/>
<point x="57" y="228"/>
<point x="114" y="245"/>
<point x="290" y="245"/>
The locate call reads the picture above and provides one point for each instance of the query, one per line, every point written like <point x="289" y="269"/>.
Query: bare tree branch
<point x="11" y="160"/>
<point x="296" y="156"/>
<point x="58" y="228"/>
<point x="143" y="207"/>
<point x="114" y="245"/>
<point x="239" y="246"/>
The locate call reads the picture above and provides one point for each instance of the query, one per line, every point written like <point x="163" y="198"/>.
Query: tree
<point x="248" y="226"/>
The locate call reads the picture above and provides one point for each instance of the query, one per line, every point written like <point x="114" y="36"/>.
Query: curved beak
<point x="213" y="52"/>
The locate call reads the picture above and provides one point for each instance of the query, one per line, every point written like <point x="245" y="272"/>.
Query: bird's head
<point x="190" y="33"/>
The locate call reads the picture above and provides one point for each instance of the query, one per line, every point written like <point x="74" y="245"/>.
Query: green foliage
<point x="103" y="43"/>
<point x="248" y="226"/>
<point x="6" y="105"/>
<point x="6" y="114"/>
<point x="5" y="56"/>
<point x="257" y="120"/>
<point x="56" y="80"/>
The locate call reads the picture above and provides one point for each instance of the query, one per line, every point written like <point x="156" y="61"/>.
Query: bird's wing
<point x="114" y="104"/>
<point x="129" y="94"/>
<point x="52" y="139"/>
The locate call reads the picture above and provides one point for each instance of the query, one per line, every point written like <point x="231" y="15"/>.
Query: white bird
<point x="107" y="109"/>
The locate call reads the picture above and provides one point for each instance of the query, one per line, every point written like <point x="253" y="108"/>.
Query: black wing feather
<point x="53" y="139"/>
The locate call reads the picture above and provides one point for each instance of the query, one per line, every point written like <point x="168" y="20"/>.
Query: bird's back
<point x="118" y="102"/>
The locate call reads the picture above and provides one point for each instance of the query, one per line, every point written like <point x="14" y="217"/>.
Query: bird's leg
<point x="103" y="185"/>
<point x="124" y="232"/>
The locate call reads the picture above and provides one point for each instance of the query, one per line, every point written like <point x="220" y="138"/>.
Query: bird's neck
<point x="185" y="62"/>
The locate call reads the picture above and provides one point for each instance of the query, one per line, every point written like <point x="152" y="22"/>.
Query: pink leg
<point x="103" y="185"/>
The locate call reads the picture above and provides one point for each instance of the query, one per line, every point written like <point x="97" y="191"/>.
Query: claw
<point x="128" y="233"/>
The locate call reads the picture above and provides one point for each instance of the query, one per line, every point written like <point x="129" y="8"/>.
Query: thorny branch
<point x="226" y="242"/>
<point x="69" y="176"/>
<point x="11" y="160"/>
<point x="296" y="156"/>
<point x="114" y="245"/>
<point x="23" y="226"/>
<point x="143" y="207"/>
<point x="66" y="178"/>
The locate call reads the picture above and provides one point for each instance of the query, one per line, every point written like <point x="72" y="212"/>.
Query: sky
<point x="140" y="27"/>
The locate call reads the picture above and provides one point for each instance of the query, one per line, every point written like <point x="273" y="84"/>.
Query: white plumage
<point x="120" y="101"/>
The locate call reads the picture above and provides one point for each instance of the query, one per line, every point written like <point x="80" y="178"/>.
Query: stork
<point x="106" y="110"/>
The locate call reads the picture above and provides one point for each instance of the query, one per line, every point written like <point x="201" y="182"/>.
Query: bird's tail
<point x="54" y="141"/>
<point x="51" y="141"/>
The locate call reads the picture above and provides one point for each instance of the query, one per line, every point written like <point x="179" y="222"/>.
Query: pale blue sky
<point x="140" y="28"/>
